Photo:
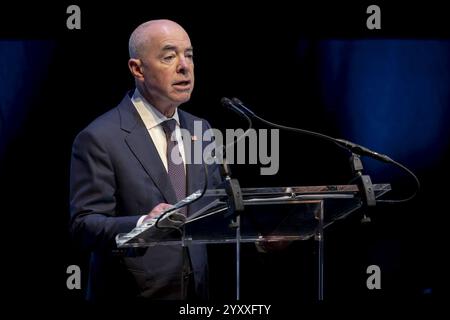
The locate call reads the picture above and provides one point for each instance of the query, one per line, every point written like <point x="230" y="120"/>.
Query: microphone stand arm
<point x="364" y="184"/>
<point x="235" y="207"/>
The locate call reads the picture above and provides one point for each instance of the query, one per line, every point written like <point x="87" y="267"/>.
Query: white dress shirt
<point x="153" y="118"/>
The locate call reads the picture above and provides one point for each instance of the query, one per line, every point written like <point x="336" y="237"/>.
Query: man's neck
<point x="167" y="110"/>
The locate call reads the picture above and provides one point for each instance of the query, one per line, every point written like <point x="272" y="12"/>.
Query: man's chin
<point x="181" y="98"/>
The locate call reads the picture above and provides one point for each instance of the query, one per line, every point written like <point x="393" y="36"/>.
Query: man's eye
<point x="190" y="56"/>
<point x="169" y="58"/>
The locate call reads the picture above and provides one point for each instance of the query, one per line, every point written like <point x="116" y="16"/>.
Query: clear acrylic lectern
<point x="271" y="214"/>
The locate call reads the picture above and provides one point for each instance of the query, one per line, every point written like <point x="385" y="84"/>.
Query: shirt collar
<point x="151" y="116"/>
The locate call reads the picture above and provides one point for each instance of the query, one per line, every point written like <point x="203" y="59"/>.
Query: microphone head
<point x="226" y="102"/>
<point x="237" y="101"/>
<point x="237" y="106"/>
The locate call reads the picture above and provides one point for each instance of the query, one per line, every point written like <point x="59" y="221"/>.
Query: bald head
<point x="143" y="35"/>
<point x="161" y="62"/>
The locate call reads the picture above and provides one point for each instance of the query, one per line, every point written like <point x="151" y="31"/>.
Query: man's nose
<point x="183" y="65"/>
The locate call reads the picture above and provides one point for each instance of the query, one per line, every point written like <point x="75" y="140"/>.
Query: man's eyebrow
<point x="170" y="47"/>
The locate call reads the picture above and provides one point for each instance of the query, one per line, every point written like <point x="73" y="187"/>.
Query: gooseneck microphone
<point x="354" y="148"/>
<point x="229" y="104"/>
<point x="232" y="186"/>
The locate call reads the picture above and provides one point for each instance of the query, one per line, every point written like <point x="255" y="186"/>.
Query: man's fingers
<point x="163" y="206"/>
<point x="158" y="209"/>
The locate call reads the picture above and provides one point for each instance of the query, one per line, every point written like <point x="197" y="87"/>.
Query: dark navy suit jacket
<point x="116" y="177"/>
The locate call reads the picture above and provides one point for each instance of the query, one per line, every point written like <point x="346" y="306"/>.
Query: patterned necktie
<point x="175" y="169"/>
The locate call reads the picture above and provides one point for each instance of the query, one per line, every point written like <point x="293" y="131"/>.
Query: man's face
<point x="168" y="69"/>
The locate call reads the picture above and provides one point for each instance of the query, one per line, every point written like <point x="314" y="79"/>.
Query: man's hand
<point x="272" y="243"/>
<point x="156" y="211"/>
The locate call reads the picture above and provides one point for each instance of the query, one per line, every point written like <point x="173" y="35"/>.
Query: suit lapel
<point x="143" y="148"/>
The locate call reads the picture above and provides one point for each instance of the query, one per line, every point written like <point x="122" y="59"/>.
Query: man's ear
<point x="135" y="66"/>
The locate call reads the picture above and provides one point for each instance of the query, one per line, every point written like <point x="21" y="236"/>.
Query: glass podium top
<point x="270" y="214"/>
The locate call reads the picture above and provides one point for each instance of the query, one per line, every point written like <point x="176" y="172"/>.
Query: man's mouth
<point x="182" y="85"/>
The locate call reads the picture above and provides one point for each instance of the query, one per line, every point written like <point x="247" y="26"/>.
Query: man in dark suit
<point x="122" y="172"/>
